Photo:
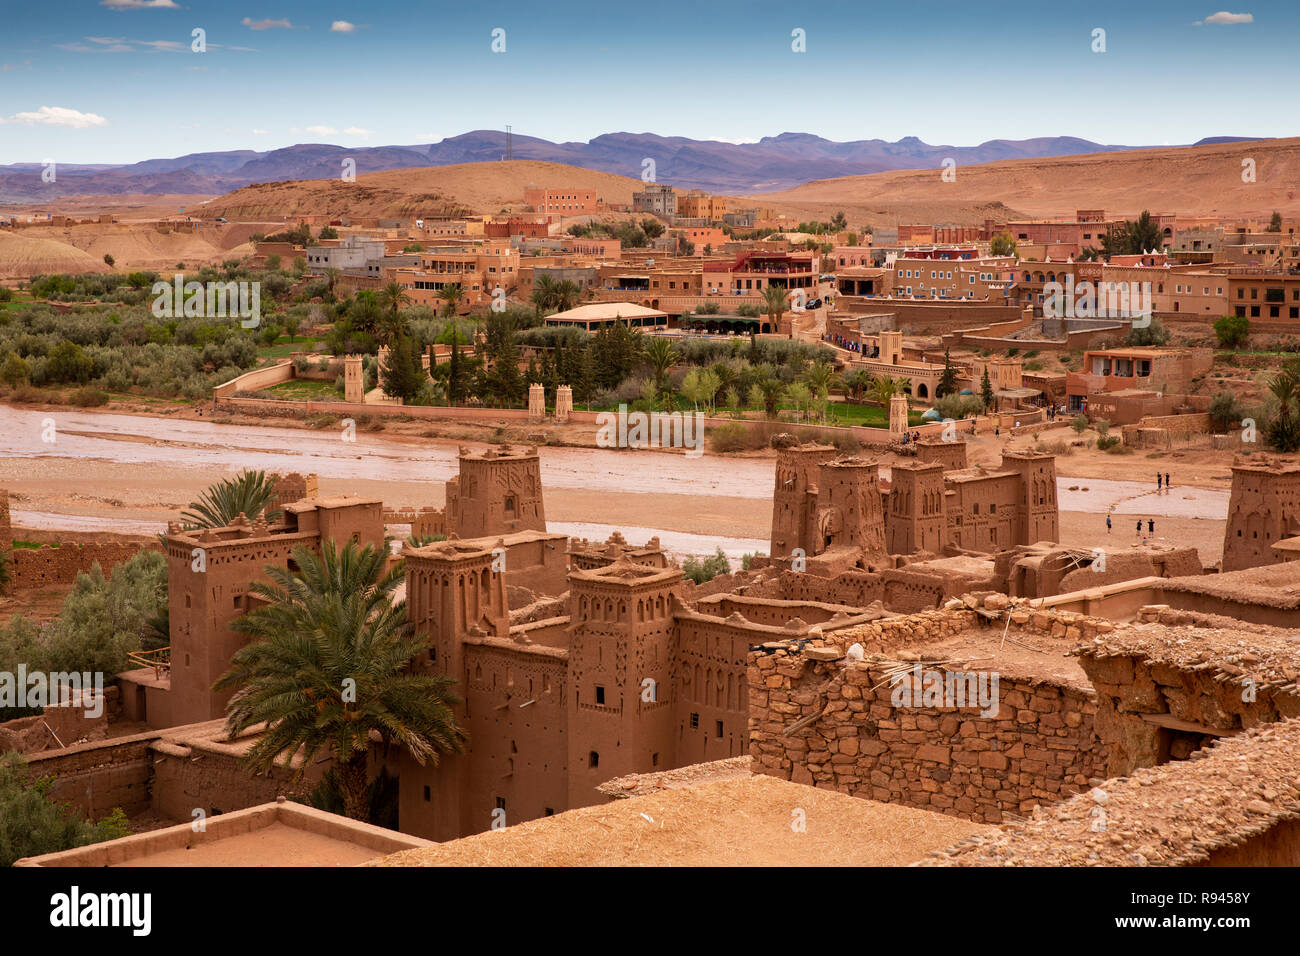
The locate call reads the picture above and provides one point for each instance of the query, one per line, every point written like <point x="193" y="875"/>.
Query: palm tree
<point x="329" y="664"/>
<point x="249" y="493"/>
<point x="886" y="387"/>
<point x="567" y="294"/>
<point x="1283" y="431"/>
<point x="819" y="377"/>
<point x="660" y="355"/>
<point x="450" y="294"/>
<point x="857" y="382"/>
<point x="775" y="300"/>
<point x="545" y="294"/>
<point x="394" y="297"/>
<point x="332" y="274"/>
<point x="770" y="387"/>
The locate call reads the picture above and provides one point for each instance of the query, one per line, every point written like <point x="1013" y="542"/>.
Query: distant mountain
<point x="773" y="163"/>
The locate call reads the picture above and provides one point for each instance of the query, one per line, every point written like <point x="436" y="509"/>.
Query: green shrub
<point x="89" y="397"/>
<point x="700" y="571"/>
<point x="31" y="824"/>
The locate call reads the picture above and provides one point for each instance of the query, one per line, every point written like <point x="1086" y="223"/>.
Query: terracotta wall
<point x="36" y="567"/>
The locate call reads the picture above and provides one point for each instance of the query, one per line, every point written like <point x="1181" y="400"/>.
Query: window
<point x="719" y="730"/>
<point x="549" y="812"/>
<point x="695" y="718"/>
<point x="427" y="795"/>
<point x="510" y="504"/>
<point x="600" y="694"/>
<point x="593" y="759"/>
<point x="501" y="803"/>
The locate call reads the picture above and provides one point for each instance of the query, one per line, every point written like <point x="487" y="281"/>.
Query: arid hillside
<point x="435" y="191"/>
<point x="1192" y="180"/>
<point x="48" y="249"/>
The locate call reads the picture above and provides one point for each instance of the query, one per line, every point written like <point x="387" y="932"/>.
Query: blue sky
<point x="116" y="81"/>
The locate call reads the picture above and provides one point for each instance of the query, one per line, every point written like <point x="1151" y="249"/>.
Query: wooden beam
<point x="1173" y="723"/>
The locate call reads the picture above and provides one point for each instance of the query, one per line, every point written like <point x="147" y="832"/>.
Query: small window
<point x="549" y="811"/>
<point x="510" y="504"/>
<point x="593" y="759"/>
<point x="600" y="694"/>
<point x="501" y="803"/>
<point x="719" y="730"/>
<point x="695" y="718"/>
<point x="427" y="794"/>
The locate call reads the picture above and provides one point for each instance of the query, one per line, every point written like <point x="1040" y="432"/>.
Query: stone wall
<point x="1038" y="748"/>
<point x="1234" y="803"/>
<point x="1166" y="692"/>
<point x="38" y="567"/>
<point x="832" y="722"/>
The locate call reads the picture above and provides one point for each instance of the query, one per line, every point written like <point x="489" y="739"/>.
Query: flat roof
<point x="729" y="822"/>
<point x="605" y="310"/>
<point x="282" y="833"/>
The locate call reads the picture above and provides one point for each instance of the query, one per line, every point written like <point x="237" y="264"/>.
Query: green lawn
<point x="283" y="348"/>
<point x="304" y="390"/>
<point x="838" y="414"/>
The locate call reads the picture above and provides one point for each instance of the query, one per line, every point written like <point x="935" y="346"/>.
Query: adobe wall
<point x="37" y="567"/>
<point x="255" y="380"/>
<point x="58" y="727"/>
<point x="1182" y="427"/>
<point x="189" y="778"/>
<point x="1039" y="747"/>
<point x="855" y="588"/>
<point x="99" y="776"/>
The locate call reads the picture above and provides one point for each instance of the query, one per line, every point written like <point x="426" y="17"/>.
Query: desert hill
<point x="770" y="163"/>
<point x="430" y="193"/>
<point x="1191" y="180"/>
<point x="25" y="254"/>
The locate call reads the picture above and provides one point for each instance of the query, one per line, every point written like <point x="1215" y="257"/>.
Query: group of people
<point x="1167" y="483"/>
<point x="1151" y="527"/>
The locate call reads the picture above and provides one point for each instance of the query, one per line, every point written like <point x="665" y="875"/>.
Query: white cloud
<point x="1225" y="18"/>
<point x="139" y="4"/>
<point x="58" y="116"/>
<point x="266" y="24"/>
<point x="261" y="132"/>
<point x="342" y="26"/>
<point x="124" y="45"/>
<point x="323" y="130"/>
<point x="358" y="131"/>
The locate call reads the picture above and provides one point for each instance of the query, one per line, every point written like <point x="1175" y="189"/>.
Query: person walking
<point x="1108" y="522"/>
<point x="1139" y="527"/>
<point x="1151" y="527"/>
<point x="1168" y="484"/>
<point x="1157" y="482"/>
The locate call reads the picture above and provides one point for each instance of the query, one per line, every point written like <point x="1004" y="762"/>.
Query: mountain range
<point x="771" y="164"/>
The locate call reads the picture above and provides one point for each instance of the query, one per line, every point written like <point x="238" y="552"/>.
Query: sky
<point x="119" y="81"/>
